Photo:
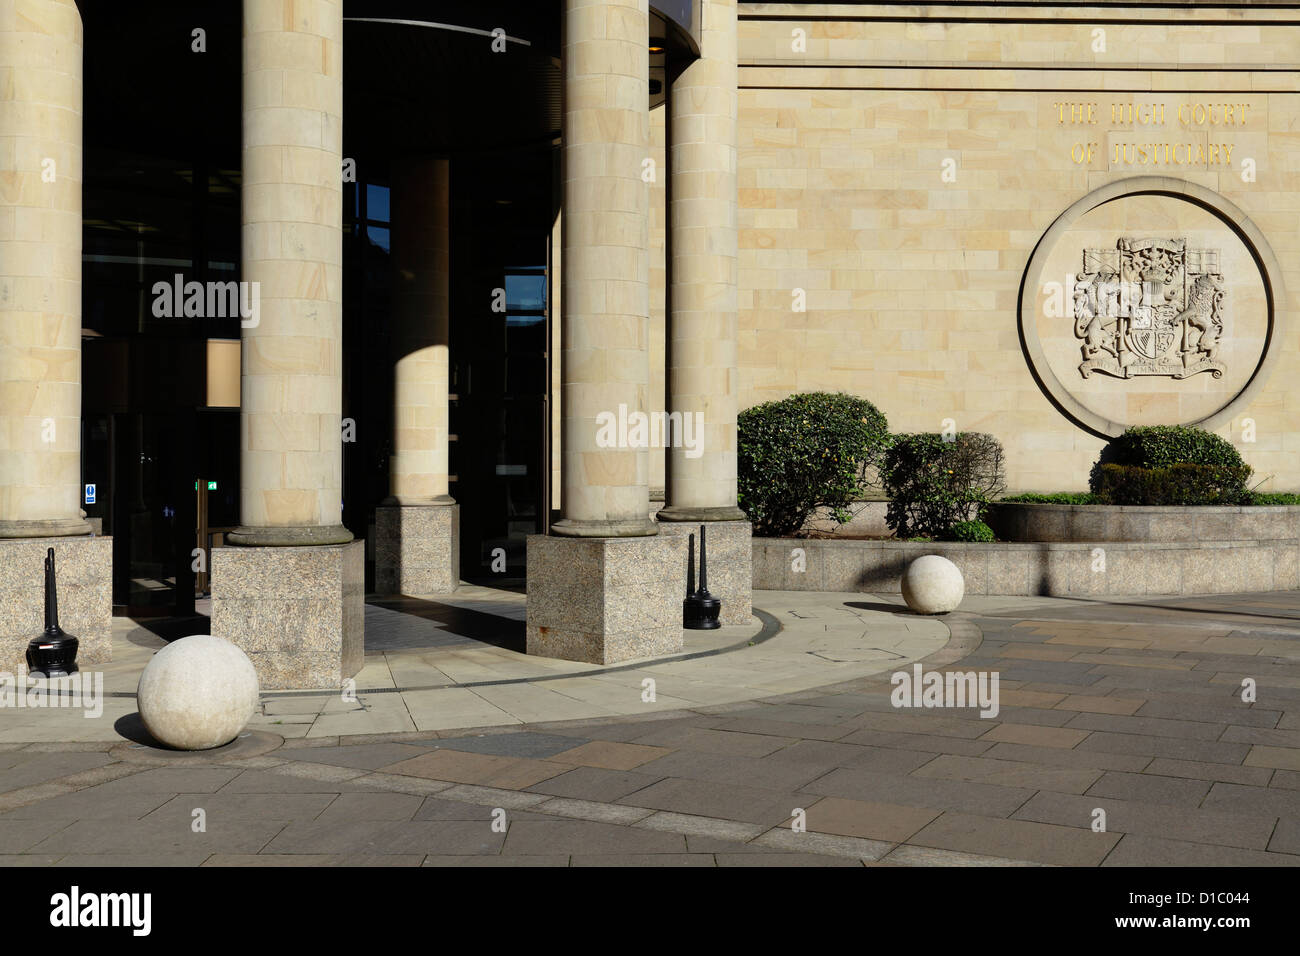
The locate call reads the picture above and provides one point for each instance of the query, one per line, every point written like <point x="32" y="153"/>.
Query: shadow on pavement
<point x="447" y="626"/>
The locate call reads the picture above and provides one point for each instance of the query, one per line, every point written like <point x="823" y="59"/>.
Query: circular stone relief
<point x="1148" y="306"/>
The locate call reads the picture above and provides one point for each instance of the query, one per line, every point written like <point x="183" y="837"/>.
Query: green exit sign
<point x="212" y="486"/>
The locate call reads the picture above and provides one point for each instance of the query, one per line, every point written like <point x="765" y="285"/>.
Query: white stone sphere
<point x="197" y="693"/>
<point x="933" y="585"/>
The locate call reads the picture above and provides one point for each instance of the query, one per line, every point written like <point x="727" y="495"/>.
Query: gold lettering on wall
<point x="1133" y="134"/>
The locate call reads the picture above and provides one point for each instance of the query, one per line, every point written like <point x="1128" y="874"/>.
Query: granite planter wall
<point x="1035" y="568"/>
<point x="1012" y="521"/>
<point x="298" y="613"/>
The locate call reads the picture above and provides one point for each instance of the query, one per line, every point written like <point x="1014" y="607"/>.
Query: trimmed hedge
<point x="933" y="484"/>
<point x="1160" y="446"/>
<point x="970" y="531"/>
<point x="1180" y="484"/>
<point x="811" y="450"/>
<point x="1256" y="498"/>
<point x="1056" y="498"/>
<point x="1170" y="465"/>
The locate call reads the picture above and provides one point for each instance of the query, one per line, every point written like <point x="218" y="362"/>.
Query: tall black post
<point x="51" y="597"/>
<point x="690" y="566"/>
<point x="54" y="653"/>
<point x="704" y="570"/>
<point x="700" y="610"/>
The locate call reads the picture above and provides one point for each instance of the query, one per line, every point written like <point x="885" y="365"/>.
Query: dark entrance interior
<point x="432" y="91"/>
<point x="161" y="198"/>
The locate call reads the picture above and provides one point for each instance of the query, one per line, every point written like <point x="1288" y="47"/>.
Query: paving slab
<point x="741" y="771"/>
<point x="219" y="808"/>
<point x="782" y="859"/>
<point x="706" y="798"/>
<point x="266" y="781"/>
<point x="29" y="769"/>
<point x="1266" y="801"/>
<point x="1218" y="827"/>
<point x="1019" y="839"/>
<point x="1136" y="850"/>
<point x="388" y="837"/>
<point x="521" y="744"/>
<point x="1196" y="770"/>
<point x="539" y="837"/>
<point x="91" y="804"/>
<point x="313" y="859"/>
<point x="595" y="783"/>
<point x="362" y="756"/>
<point x="460" y="767"/>
<point x="890" y="822"/>
<point x="135" y="837"/>
<point x="1009" y="773"/>
<point x="914" y="791"/>
<point x="371" y="806"/>
<point x="1150" y="788"/>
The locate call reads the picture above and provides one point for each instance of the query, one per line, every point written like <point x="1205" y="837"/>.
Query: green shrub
<point x="970" y="531"/>
<point x="933" y="484"/>
<point x="1170" y="465"/>
<point x="1056" y="498"/>
<point x="1159" y="446"/>
<point x="1176" y="485"/>
<point x="807" y="451"/>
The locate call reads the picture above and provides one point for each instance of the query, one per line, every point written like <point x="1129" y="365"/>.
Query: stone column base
<point x="417" y="549"/>
<point x="731" y="561"/>
<point x="298" y="613"/>
<point x="605" y="600"/>
<point x="84" y="568"/>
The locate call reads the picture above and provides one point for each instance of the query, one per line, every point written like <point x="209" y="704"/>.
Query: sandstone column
<point x="702" y="302"/>
<point x="40" y="335"/>
<point x="289" y="590"/>
<point x="417" y="547"/>
<point x="40" y="259"/>
<point x="603" y="587"/>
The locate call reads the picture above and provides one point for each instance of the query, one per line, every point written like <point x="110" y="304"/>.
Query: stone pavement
<point x="457" y="661"/>
<point x="1134" y="708"/>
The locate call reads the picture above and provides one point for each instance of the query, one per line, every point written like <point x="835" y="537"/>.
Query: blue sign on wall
<point x="90" y="494"/>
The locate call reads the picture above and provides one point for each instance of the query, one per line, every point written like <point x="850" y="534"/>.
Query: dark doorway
<point x="500" y="240"/>
<point x="160" y="199"/>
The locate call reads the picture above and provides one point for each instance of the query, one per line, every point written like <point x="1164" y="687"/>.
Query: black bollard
<point x="700" y="609"/>
<point x="690" y="565"/>
<point x="54" y="653"/>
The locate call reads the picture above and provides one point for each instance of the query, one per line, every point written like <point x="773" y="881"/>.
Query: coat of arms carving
<point x="1150" y="307"/>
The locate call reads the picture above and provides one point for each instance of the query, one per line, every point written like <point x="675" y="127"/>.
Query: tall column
<point x="40" y="260"/>
<point x="289" y="591"/>
<point x="702" y="302"/>
<point x="291" y="451"/>
<point x="603" y="587"/>
<point x="417" y="530"/>
<point x="40" y="335"/>
<point x="605" y="360"/>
